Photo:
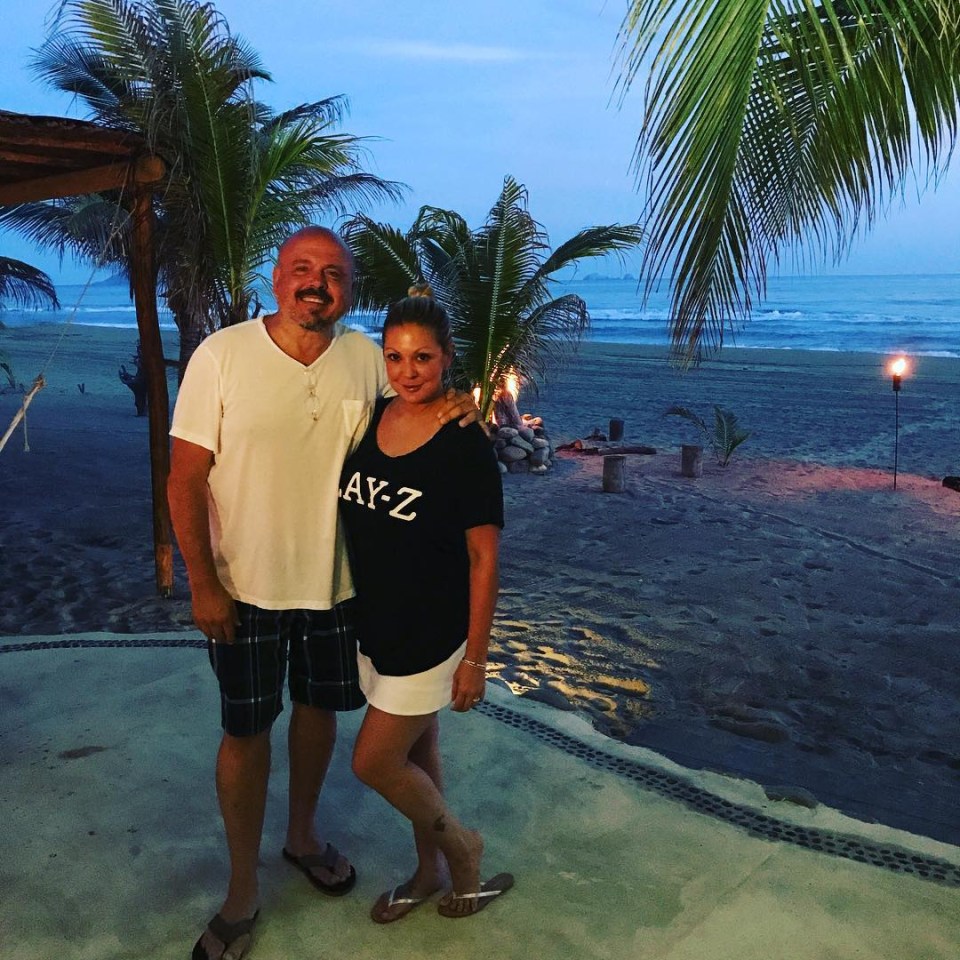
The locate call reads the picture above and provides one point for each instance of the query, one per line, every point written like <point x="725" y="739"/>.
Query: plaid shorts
<point x="321" y="647"/>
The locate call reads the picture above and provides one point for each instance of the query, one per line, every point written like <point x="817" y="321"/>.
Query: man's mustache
<point x="318" y="292"/>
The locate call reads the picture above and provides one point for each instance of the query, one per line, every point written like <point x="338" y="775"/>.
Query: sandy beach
<point x="789" y="619"/>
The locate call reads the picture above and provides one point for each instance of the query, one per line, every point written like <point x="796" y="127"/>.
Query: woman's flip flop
<point x="395" y="900"/>
<point x="470" y="904"/>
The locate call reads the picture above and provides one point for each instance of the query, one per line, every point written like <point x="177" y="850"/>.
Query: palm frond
<point x="728" y="434"/>
<point x="386" y="262"/>
<point x="771" y="126"/>
<point x="90" y="227"/>
<point x="330" y="112"/>
<point x="25" y="286"/>
<point x="444" y="243"/>
<point x="545" y="339"/>
<point x="593" y="242"/>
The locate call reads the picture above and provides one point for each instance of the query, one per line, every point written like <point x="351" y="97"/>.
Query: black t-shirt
<point x="406" y="519"/>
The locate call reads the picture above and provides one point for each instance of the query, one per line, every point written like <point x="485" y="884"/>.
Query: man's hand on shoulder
<point x="459" y="406"/>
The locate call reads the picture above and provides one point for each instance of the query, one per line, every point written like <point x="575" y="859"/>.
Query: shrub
<point x="727" y="433"/>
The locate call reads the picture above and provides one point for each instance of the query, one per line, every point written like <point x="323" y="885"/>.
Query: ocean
<point x="915" y="314"/>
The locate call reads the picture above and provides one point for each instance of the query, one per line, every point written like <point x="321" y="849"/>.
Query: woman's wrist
<point x="476" y="664"/>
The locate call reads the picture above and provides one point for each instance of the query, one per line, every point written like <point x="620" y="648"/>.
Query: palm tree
<point x="494" y="282"/>
<point x="26" y="287"/>
<point x="777" y="126"/>
<point x="240" y="177"/>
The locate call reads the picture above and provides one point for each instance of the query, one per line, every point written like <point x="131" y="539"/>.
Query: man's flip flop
<point x="488" y="891"/>
<point x="394" y="898"/>
<point x="236" y="938"/>
<point x="327" y="860"/>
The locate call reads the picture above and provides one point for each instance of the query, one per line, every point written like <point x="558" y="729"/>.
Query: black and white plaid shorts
<point x="321" y="647"/>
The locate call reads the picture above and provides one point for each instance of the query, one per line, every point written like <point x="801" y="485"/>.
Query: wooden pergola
<point x="43" y="158"/>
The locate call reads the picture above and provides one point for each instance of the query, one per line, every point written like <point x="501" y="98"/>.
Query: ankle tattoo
<point x="439" y="825"/>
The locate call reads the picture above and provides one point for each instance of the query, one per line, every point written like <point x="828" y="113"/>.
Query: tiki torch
<point x="897" y="370"/>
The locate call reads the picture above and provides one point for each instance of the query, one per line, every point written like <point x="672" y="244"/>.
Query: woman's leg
<point x="431" y="866"/>
<point x="384" y="758"/>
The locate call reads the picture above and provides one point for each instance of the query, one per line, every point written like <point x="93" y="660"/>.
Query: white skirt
<point x="412" y="696"/>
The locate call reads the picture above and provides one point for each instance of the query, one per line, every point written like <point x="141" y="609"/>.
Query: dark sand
<point x="789" y="618"/>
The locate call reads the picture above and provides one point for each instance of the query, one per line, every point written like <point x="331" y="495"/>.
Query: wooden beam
<point x="143" y="279"/>
<point x="39" y="158"/>
<point x="113" y="176"/>
<point x="53" y="135"/>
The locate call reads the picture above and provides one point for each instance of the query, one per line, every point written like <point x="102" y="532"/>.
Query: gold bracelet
<point x="473" y="663"/>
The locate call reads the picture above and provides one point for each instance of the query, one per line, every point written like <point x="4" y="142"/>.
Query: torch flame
<point x="511" y="383"/>
<point x="899" y="367"/>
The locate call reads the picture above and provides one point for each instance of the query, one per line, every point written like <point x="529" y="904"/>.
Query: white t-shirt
<point x="279" y="432"/>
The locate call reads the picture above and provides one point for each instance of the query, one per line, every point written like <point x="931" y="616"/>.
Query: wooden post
<point x="143" y="280"/>
<point x="691" y="460"/>
<point x="616" y="429"/>
<point x="614" y="473"/>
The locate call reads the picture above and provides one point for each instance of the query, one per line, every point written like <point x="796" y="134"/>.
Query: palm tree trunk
<point x="191" y="336"/>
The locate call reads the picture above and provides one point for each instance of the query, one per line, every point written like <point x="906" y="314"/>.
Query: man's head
<point x="313" y="278"/>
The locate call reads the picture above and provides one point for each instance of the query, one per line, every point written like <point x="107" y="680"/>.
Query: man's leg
<point x="243" y="767"/>
<point x="250" y="673"/>
<point x="312" y="736"/>
<point x="323" y="680"/>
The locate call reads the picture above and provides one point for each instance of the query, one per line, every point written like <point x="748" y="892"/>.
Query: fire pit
<point x="521" y="441"/>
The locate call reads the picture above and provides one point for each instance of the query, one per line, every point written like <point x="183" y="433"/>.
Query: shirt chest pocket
<point x="356" y="419"/>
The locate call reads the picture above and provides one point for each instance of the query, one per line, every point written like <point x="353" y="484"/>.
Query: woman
<point x="423" y="507"/>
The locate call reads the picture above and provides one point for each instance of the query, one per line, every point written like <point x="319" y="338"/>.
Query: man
<point x="265" y="416"/>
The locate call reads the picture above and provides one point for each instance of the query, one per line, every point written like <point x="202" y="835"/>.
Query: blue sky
<point x="459" y="94"/>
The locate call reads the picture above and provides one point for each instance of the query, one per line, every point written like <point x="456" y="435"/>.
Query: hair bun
<point x="420" y="290"/>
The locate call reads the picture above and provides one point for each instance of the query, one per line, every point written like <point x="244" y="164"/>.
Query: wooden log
<point x="579" y="446"/>
<point x="616" y="429"/>
<point x="691" y="460"/>
<point x="614" y="473"/>
<point x="506" y="412"/>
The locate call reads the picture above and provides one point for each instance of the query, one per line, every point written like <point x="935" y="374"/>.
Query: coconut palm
<point x="239" y="177"/>
<point x="494" y="282"/>
<point x="776" y="126"/>
<point x="24" y="286"/>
